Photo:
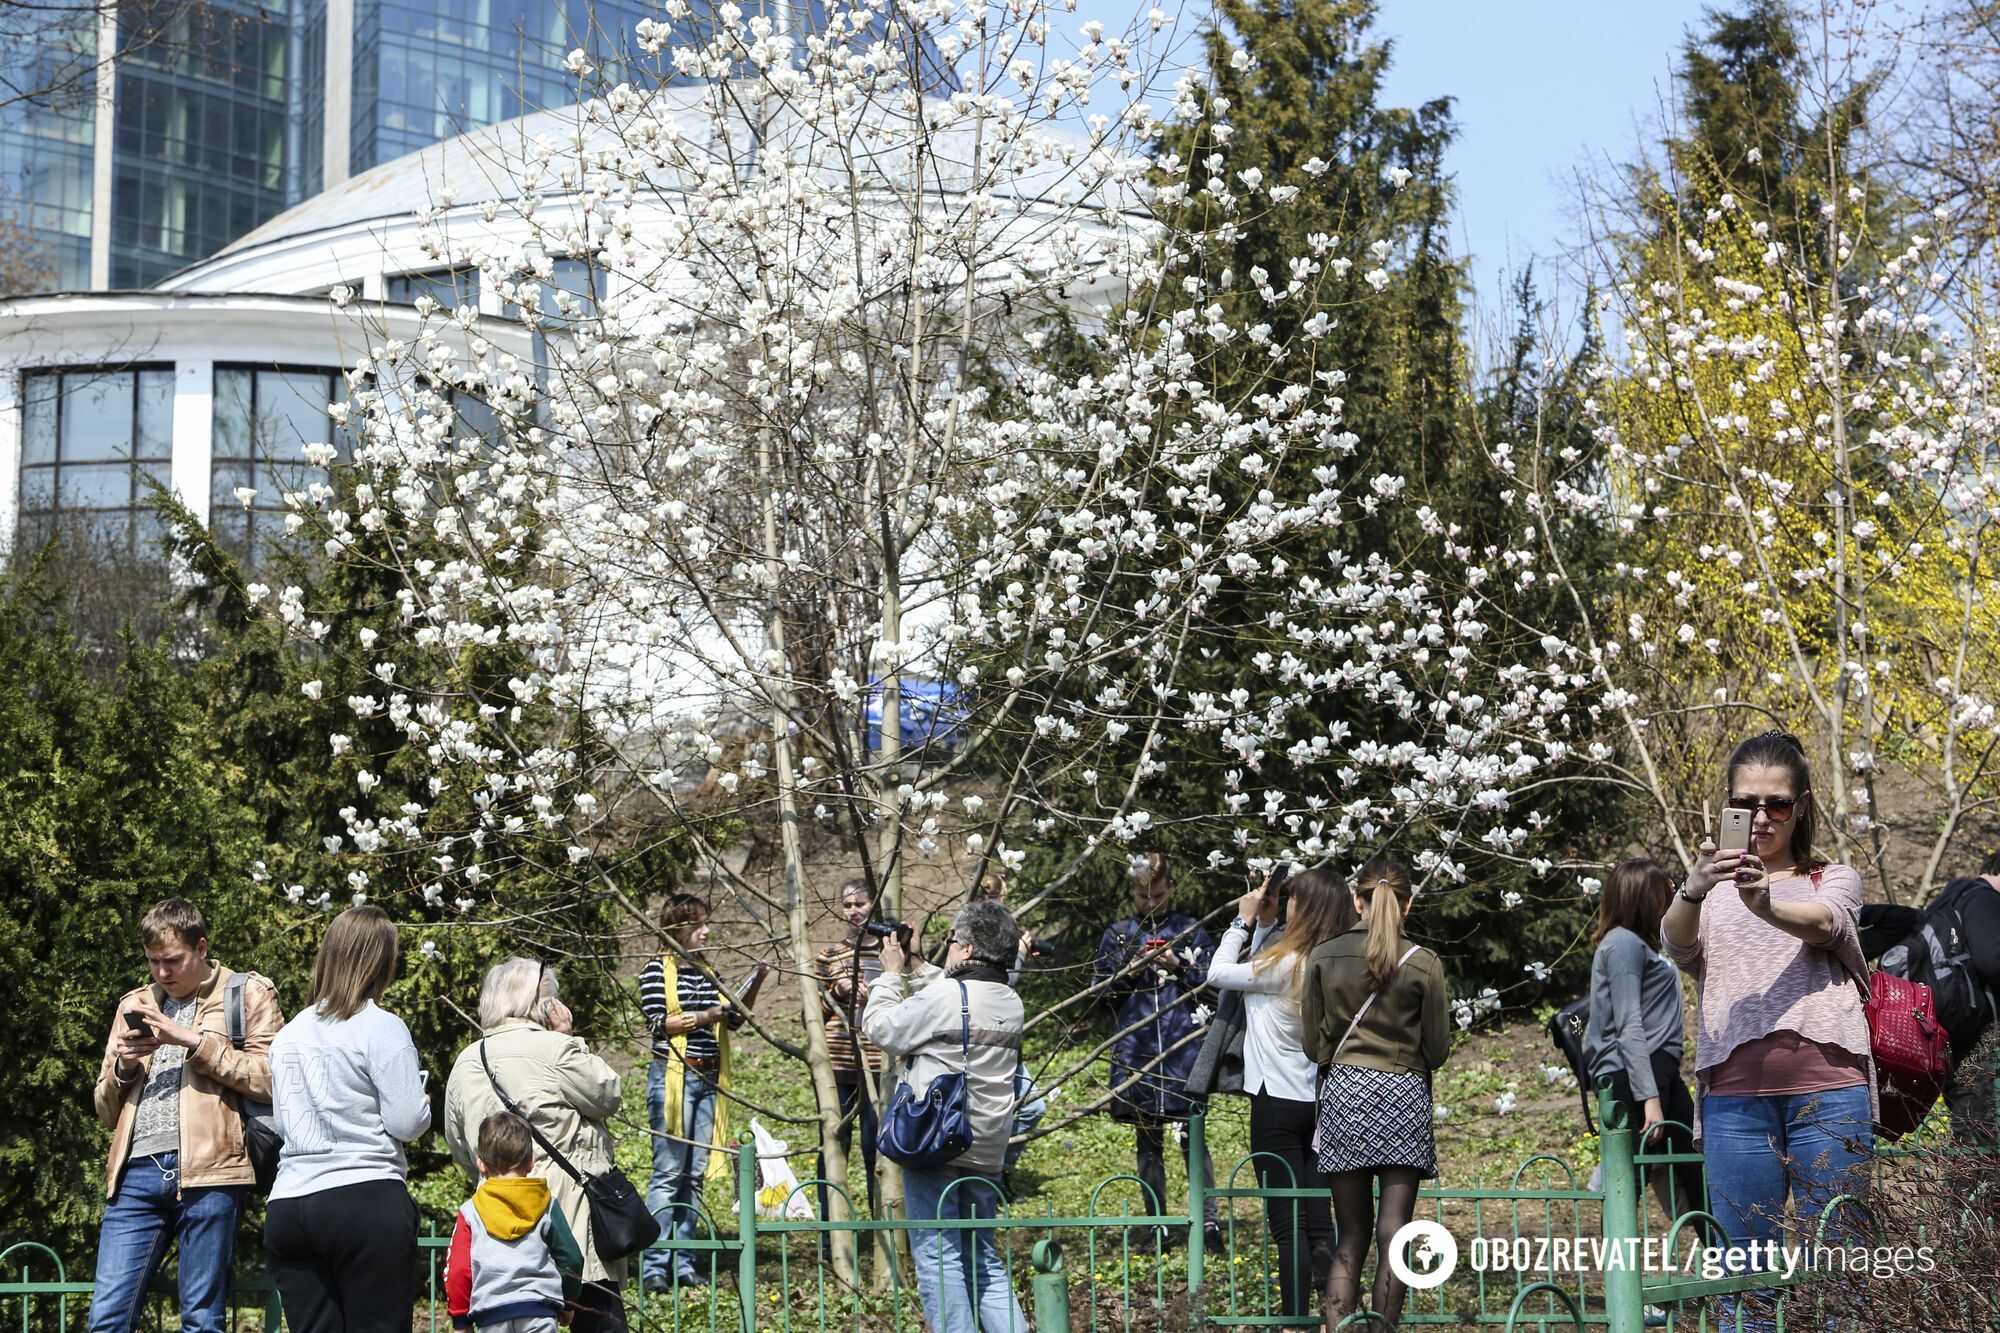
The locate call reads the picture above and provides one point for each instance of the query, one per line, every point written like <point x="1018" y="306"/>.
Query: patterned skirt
<point x="1371" y="1117"/>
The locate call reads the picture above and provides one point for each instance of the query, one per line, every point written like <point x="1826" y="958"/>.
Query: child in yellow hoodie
<point x="513" y="1266"/>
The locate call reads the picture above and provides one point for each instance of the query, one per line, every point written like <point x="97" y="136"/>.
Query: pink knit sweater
<point x="1755" y="979"/>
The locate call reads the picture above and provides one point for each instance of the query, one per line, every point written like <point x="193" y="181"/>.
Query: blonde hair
<point x="1321" y="908"/>
<point x="516" y="988"/>
<point x="356" y="963"/>
<point x="1385" y="891"/>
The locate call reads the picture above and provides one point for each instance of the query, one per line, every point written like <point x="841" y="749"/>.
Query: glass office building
<point x="218" y="115"/>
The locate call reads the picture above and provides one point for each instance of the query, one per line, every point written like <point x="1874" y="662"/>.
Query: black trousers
<point x="1689" y="1181"/>
<point x="852" y="1095"/>
<point x="345" y="1259"/>
<point x="1301" y="1229"/>
<point x="1153" y="1169"/>
<point x="1968" y="1095"/>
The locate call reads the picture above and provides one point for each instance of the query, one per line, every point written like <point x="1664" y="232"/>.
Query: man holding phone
<point x="171" y="1090"/>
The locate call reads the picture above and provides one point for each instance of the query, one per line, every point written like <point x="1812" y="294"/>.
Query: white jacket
<point x="924" y="1025"/>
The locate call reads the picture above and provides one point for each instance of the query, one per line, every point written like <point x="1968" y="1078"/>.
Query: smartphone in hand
<point x="138" y="1024"/>
<point x="1734" y="835"/>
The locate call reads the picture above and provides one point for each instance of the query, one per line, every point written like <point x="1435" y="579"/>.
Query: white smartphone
<point x="1735" y="833"/>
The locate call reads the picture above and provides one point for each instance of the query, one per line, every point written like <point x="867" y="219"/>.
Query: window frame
<point x="255" y="460"/>
<point x="55" y="513"/>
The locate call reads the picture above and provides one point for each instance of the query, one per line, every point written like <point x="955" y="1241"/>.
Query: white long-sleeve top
<point x="1274" y="1058"/>
<point x="347" y="1094"/>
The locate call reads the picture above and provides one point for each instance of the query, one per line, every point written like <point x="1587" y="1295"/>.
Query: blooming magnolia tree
<point x="813" y="436"/>
<point x="1793" y="443"/>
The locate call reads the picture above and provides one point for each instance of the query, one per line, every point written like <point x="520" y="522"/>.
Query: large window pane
<point x="93" y="486"/>
<point x="38" y="423"/>
<point x="96" y="417"/>
<point x="156" y="415"/>
<point x="449" y="288"/>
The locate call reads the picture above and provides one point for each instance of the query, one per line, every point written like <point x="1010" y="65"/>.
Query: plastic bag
<point x="779" y="1198"/>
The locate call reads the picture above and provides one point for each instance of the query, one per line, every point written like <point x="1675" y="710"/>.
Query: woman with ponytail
<point x="1374" y="1014"/>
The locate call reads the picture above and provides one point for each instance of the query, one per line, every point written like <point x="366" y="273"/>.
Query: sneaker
<point x="1656" y="1316"/>
<point x="1211" y="1237"/>
<point x="1146" y="1240"/>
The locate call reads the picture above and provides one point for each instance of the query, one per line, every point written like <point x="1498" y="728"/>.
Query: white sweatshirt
<point x="347" y="1095"/>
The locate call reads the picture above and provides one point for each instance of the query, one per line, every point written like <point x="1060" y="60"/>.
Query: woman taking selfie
<point x="1278" y="1077"/>
<point x="1635" y="1030"/>
<point x="1770" y="935"/>
<point x="1373" y="1010"/>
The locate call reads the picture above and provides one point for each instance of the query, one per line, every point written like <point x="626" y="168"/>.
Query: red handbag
<point x="1912" y="1053"/>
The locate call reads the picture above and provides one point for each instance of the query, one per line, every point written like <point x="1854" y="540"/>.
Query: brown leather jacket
<point x="212" y="1151"/>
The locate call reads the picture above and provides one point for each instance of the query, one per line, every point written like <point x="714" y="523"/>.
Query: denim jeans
<point x="1029" y="1108"/>
<point x="959" y="1271"/>
<point x="1810" y="1145"/>
<point x="674" y="1193"/>
<point x="148" y="1213"/>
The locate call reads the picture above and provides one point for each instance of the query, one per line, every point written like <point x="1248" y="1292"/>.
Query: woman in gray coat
<point x="566" y="1092"/>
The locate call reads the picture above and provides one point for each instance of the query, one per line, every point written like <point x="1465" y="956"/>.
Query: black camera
<point x="882" y="930"/>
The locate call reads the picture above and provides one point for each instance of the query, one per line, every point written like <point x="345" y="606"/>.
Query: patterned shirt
<point x="696" y="991"/>
<point x="836" y="962"/>
<point x="157" y="1126"/>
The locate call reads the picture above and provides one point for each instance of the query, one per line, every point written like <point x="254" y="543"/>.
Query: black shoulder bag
<point x="620" y="1226"/>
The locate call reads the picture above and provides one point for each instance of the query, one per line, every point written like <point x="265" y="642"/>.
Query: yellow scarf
<point x="673" y="1093"/>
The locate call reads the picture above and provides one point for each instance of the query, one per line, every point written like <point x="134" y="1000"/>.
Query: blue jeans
<point x="674" y="1193"/>
<point x="961" y="1270"/>
<point x="1029" y="1108"/>
<point x="1810" y="1145"/>
<point x="142" y="1219"/>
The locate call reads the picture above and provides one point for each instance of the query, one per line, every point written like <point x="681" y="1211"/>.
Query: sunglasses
<point x="1777" y="807"/>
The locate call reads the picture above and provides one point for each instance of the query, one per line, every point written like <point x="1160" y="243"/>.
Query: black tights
<point x="1354" y="1220"/>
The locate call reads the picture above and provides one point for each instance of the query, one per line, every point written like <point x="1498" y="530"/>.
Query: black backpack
<point x="1937" y="955"/>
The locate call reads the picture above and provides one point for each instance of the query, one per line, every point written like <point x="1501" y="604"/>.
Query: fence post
<point x="746" y="1231"/>
<point x="1624" y="1287"/>
<point x="1197" y="1201"/>
<point x="1051" y="1286"/>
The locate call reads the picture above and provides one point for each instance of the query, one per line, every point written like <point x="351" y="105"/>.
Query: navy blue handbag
<point x="936" y="1127"/>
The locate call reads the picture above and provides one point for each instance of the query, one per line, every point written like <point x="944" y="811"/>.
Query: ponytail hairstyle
<point x="1776" y="749"/>
<point x="1384" y="886"/>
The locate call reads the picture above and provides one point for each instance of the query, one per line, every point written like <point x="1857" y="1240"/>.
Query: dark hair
<point x="1384" y="885"/>
<point x="682" y="910"/>
<point x="505" y="1145"/>
<point x="177" y="915"/>
<point x="1636" y="896"/>
<point x="1776" y="749"/>
<point x="1991" y="865"/>
<point x="356" y="963"/>
<point x="860" y="886"/>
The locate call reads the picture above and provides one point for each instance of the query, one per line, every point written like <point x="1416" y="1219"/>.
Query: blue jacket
<point x="1159" y="1011"/>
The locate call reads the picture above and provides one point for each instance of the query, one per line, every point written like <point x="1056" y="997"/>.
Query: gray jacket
<point x="922" y="1024"/>
<point x="1635" y="1010"/>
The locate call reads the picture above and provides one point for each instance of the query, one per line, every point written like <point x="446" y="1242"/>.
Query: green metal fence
<point x="1104" y="1269"/>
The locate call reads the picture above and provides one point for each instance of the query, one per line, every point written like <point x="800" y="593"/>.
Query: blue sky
<point x="1542" y="88"/>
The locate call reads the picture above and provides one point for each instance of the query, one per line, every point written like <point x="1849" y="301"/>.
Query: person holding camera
<point x="847" y="971"/>
<point x="1029" y="1104"/>
<point x="1281" y="1082"/>
<point x="529" y="1054"/>
<point x="171" y="1088"/>
<point x="962" y="1017"/>
<point x="1151" y="967"/>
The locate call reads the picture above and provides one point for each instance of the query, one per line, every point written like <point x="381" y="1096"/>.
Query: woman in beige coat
<point x="567" y="1094"/>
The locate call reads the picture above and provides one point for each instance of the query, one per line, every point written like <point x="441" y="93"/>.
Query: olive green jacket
<point x="1407" y="1028"/>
